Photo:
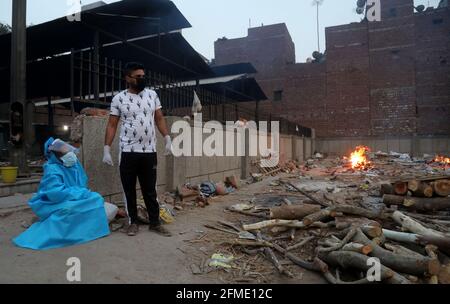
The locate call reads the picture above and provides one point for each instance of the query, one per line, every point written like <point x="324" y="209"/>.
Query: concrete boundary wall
<point x="416" y="146"/>
<point x="173" y="171"/>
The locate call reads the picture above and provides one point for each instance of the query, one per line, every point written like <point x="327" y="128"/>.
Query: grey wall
<point x="172" y="171"/>
<point x="416" y="146"/>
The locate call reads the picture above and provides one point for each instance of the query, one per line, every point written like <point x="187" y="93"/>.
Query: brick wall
<point x="388" y="78"/>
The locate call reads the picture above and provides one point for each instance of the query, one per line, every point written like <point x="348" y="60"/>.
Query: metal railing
<point x="96" y="81"/>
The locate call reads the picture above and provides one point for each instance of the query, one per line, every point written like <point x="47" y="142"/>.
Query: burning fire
<point x="359" y="159"/>
<point x="442" y="159"/>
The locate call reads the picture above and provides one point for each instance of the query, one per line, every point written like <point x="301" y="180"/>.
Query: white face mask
<point x="69" y="160"/>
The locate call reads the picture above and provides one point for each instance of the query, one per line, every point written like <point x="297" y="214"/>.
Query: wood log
<point x="370" y="214"/>
<point x="412" y="225"/>
<point x="389" y="200"/>
<point x="401" y="263"/>
<point x="441" y="187"/>
<point x="386" y="189"/>
<point x="296" y="260"/>
<point x="300" y="244"/>
<point x="273" y="223"/>
<point x="293" y="212"/>
<point x="427" y="204"/>
<point x="397" y="249"/>
<point x="341" y="244"/>
<point x="248" y="243"/>
<point x="312" y="198"/>
<point x="337" y="280"/>
<point x="442" y="243"/>
<point x="359" y="248"/>
<point x="273" y="258"/>
<point x="317" y="217"/>
<point x="401" y="188"/>
<point x="423" y="190"/>
<point x="249" y="213"/>
<point x="348" y="259"/>
<point x="444" y="275"/>
<point x="413" y="185"/>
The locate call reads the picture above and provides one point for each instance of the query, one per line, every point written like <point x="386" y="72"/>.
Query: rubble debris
<point x="221" y="261"/>
<point x="330" y="215"/>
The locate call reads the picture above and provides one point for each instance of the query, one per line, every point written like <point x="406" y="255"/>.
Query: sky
<point x="213" y="19"/>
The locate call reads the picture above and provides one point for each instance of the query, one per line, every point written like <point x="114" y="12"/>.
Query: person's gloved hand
<point x="168" y="150"/>
<point x="107" y="158"/>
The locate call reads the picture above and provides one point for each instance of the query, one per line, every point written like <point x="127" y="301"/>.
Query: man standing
<point x="138" y="110"/>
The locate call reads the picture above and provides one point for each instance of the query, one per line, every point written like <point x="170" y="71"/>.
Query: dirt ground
<point x="146" y="258"/>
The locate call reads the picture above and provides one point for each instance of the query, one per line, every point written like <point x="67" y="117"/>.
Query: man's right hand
<point x="107" y="158"/>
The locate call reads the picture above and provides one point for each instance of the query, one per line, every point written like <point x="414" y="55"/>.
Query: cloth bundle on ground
<point x="69" y="214"/>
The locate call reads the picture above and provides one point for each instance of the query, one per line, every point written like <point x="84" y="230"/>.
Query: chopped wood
<point x="386" y="189"/>
<point x="296" y="260"/>
<point x="402" y="263"/>
<point x="347" y="238"/>
<point x="300" y="244"/>
<point x="389" y="200"/>
<point x="317" y="216"/>
<point x="272" y="223"/>
<point x="374" y="231"/>
<point x="348" y="259"/>
<point x="397" y="249"/>
<point x="238" y="242"/>
<point x="401" y="188"/>
<point x="312" y="198"/>
<point x="427" y="204"/>
<point x="293" y="212"/>
<point x="370" y="214"/>
<point x="441" y="187"/>
<point x="248" y="213"/>
<point x="359" y="248"/>
<point x="442" y="243"/>
<point x="272" y="257"/>
<point x="413" y="185"/>
<point x="413" y="226"/>
<point x="423" y="190"/>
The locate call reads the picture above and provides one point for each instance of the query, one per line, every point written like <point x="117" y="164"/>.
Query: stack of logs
<point x="421" y="194"/>
<point x="349" y="238"/>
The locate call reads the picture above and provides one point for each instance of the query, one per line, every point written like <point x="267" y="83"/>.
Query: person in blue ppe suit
<point x="69" y="214"/>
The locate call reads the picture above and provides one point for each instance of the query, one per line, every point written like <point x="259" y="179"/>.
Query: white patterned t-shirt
<point x="137" y="117"/>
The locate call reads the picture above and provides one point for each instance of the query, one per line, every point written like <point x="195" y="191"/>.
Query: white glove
<point x="168" y="150"/>
<point x="107" y="158"/>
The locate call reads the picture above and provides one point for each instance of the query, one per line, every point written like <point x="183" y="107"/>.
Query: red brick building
<point x="387" y="78"/>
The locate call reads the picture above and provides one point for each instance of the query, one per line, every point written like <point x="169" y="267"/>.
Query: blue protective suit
<point x="69" y="214"/>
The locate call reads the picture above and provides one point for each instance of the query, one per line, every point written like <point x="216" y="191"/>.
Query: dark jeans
<point x="142" y="166"/>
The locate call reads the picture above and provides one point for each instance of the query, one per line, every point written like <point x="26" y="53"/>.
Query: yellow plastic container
<point x="9" y="174"/>
<point x="166" y="216"/>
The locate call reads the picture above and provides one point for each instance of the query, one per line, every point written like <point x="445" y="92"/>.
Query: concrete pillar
<point x="313" y="141"/>
<point x="245" y="160"/>
<point x="18" y="80"/>
<point x="175" y="168"/>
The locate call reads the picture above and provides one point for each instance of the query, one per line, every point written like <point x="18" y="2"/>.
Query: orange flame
<point x="358" y="158"/>
<point x="442" y="159"/>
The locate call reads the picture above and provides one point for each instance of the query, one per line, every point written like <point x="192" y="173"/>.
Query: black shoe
<point x="133" y="230"/>
<point x="159" y="229"/>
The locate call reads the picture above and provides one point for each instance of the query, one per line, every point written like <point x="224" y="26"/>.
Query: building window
<point x="277" y="95"/>
<point x="438" y="21"/>
<point x="393" y="12"/>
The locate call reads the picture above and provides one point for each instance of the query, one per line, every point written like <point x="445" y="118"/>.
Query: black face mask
<point x="141" y="84"/>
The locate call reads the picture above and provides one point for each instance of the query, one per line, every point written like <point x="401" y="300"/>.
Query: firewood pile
<point x="400" y="224"/>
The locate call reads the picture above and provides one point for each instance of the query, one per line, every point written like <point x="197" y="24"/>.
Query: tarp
<point x="69" y="214"/>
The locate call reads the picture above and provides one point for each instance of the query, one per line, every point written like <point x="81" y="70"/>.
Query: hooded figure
<point x="69" y="214"/>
